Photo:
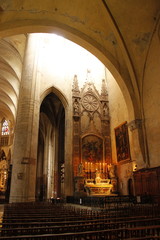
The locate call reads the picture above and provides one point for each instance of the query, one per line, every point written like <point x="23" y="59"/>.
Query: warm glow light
<point x="60" y="55"/>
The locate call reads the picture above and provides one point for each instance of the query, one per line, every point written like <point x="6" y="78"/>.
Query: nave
<point x="66" y="221"/>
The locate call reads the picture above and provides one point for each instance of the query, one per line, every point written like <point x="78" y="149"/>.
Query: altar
<point x="98" y="186"/>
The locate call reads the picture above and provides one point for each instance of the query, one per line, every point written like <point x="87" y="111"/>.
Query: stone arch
<point x="51" y="140"/>
<point x="115" y="57"/>
<point x="58" y="93"/>
<point x="105" y="56"/>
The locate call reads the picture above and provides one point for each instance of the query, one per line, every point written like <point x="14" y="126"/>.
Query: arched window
<point x="5" y="128"/>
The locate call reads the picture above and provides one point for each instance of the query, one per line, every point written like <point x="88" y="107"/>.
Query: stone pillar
<point x="39" y="181"/>
<point x="138" y="157"/>
<point x="45" y="167"/>
<point x="27" y="123"/>
<point x="56" y="184"/>
<point x="68" y="176"/>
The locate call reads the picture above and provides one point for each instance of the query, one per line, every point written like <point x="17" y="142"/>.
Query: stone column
<point x="39" y="181"/>
<point x="45" y="167"/>
<point x="68" y="176"/>
<point x="27" y="123"/>
<point x="138" y="143"/>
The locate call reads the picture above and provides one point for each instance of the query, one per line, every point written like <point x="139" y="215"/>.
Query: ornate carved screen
<point x="91" y="129"/>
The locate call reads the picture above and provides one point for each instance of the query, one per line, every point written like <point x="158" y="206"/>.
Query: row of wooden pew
<point x="66" y="222"/>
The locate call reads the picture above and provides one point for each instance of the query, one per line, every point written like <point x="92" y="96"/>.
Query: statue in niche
<point x="76" y="107"/>
<point x="105" y="110"/>
<point x="80" y="169"/>
<point x="111" y="170"/>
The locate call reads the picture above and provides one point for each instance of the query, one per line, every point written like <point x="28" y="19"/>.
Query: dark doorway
<point x="130" y="187"/>
<point x="50" y="160"/>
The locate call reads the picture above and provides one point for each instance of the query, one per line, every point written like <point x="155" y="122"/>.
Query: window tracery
<point x="5" y="127"/>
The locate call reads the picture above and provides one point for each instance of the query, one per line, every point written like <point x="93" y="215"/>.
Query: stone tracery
<point x="91" y="146"/>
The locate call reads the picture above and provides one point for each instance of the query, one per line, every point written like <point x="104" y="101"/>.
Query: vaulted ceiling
<point x="118" y="32"/>
<point x="11" y="60"/>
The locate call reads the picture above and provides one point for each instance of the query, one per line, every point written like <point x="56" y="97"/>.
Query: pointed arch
<point x="58" y="93"/>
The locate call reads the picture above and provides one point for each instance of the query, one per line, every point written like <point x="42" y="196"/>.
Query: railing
<point x="100" y="201"/>
<point x="93" y="201"/>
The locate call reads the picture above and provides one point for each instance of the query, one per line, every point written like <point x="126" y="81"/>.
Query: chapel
<point x="79" y="99"/>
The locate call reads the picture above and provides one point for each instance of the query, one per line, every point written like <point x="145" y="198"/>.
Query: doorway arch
<point x="50" y="156"/>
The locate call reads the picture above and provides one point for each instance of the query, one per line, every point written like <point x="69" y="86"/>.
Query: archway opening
<point x="58" y="71"/>
<point x="50" y="160"/>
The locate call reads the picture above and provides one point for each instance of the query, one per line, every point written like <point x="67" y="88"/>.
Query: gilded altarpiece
<point x="91" y="135"/>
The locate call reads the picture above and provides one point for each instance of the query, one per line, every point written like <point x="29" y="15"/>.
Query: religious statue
<point x="111" y="170"/>
<point x="105" y="110"/>
<point x="76" y="107"/>
<point x="80" y="169"/>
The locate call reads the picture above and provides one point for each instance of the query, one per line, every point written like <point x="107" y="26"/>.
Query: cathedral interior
<point x="79" y="99"/>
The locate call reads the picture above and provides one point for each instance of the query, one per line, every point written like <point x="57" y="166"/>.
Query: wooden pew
<point x="77" y="227"/>
<point x="49" y="222"/>
<point x="58" y="221"/>
<point x="114" y="234"/>
<point x="61" y="222"/>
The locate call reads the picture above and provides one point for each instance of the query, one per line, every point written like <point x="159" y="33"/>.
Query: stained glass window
<point x="5" y="128"/>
